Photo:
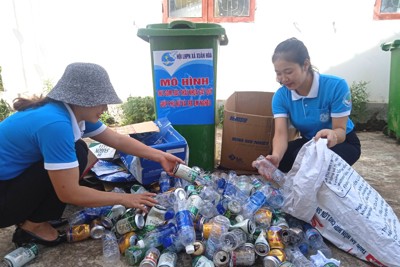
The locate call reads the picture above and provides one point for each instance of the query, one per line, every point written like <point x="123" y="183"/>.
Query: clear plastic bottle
<point x="164" y="182"/>
<point x="111" y="253"/>
<point x="233" y="239"/>
<point x="87" y="215"/>
<point x="172" y="243"/>
<point x="266" y="194"/>
<point x="20" y="256"/>
<point x="316" y="241"/>
<point x="265" y="167"/>
<point x="319" y="259"/>
<point x="219" y="225"/>
<point x="155" y="238"/>
<point x="184" y="221"/>
<point x="295" y="256"/>
<point x="166" y="199"/>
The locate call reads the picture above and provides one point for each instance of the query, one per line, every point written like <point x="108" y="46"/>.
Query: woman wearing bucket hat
<point x="42" y="155"/>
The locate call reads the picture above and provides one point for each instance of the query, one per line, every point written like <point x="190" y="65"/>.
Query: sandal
<point x="22" y="237"/>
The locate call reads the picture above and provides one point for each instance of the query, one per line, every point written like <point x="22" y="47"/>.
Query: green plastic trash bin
<point x="184" y="69"/>
<point x="393" y="118"/>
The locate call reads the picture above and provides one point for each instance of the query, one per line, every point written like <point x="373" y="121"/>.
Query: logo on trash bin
<point x="167" y="59"/>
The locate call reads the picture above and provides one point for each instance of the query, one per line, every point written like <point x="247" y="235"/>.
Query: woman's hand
<point x="329" y="134"/>
<point x="168" y="162"/>
<point x="139" y="201"/>
<point x="264" y="166"/>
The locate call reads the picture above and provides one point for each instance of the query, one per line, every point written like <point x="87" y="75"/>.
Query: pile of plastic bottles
<point x="219" y="218"/>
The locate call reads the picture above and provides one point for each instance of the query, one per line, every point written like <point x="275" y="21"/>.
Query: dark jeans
<point x="31" y="196"/>
<point x="349" y="150"/>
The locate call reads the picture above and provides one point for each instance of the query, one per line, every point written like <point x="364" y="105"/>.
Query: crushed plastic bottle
<point x="295" y="256"/>
<point x="266" y="168"/>
<point x="220" y="225"/>
<point x="111" y="253"/>
<point x="320" y="260"/>
<point x="316" y="241"/>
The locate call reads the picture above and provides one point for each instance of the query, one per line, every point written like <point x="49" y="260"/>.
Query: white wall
<point x="40" y="37"/>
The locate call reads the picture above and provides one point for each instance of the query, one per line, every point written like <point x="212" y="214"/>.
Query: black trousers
<point x="31" y="196"/>
<point x="349" y="150"/>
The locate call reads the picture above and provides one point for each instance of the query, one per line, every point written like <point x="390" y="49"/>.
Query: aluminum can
<point x="278" y="253"/>
<point x="271" y="261"/>
<point x="112" y="216"/>
<point x="151" y="258"/>
<point x="126" y="241"/>
<point x="248" y="226"/>
<point x="167" y="259"/>
<point x="287" y="264"/>
<point x="131" y="223"/>
<point x="280" y="222"/>
<point x="274" y="238"/>
<point x="202" y="261"/>
<point x="221" y="258"/>
<point x="261" y="245"/>
<point x="21" y="255"/>
<point x="199" y="248"/>
<point x="138" y="189"/>
<point x="244" y="255"/>
<point x="292" y="236"/>
<point x="96" y="229"/>
<point x="78" y="232"/>
<point x="134" y="255"/>
<point x="185" y="172"/>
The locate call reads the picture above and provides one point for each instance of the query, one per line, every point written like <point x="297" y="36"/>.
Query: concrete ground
<point x="379" y="165"/>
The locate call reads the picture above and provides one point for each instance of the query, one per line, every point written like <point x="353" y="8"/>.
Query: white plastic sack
<point x="324" y="190"/>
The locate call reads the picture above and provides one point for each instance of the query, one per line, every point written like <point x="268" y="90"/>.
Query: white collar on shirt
<point x="313" y="91"/>
<point x="78" y="128"/>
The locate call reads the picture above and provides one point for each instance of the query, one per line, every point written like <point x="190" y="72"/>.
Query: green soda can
<point x="130" y="223"/>
<point x="22" y="255"/>
<point x="134" y="255"/>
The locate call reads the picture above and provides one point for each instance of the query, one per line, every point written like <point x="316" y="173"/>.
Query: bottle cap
<point x="140" y="243"/>
<point x="169" y="214"/>
<point x="239" y="218"/>
<point x="189" y="249"/>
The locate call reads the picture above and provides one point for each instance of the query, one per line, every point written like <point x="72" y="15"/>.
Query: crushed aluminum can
<point x="244" y="255"/>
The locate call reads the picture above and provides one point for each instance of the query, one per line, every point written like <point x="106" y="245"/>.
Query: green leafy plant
<point x="220" y="115"/>
<point x="108" y="119"/>
<point x="5" y="109"/>
<point x="359" y="99"/>
<point x="47" y="86"/>
<point x="138" y="109"/>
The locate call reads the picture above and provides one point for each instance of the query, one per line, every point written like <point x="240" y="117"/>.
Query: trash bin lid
<point x="391" y="45"/>
<point x="183" y="28"/>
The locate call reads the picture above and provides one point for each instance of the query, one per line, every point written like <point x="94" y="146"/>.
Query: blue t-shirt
<point x="45" y="133"/>
<point x="328" y="98"/>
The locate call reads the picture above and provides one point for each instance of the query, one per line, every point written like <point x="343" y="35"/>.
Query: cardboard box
<point x="159" y="135"/>
<point x="248" y="129"/>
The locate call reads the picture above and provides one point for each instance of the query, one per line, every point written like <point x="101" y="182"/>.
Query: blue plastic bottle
<point x="164" y="182"/>
<point x="184" y="222"/>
